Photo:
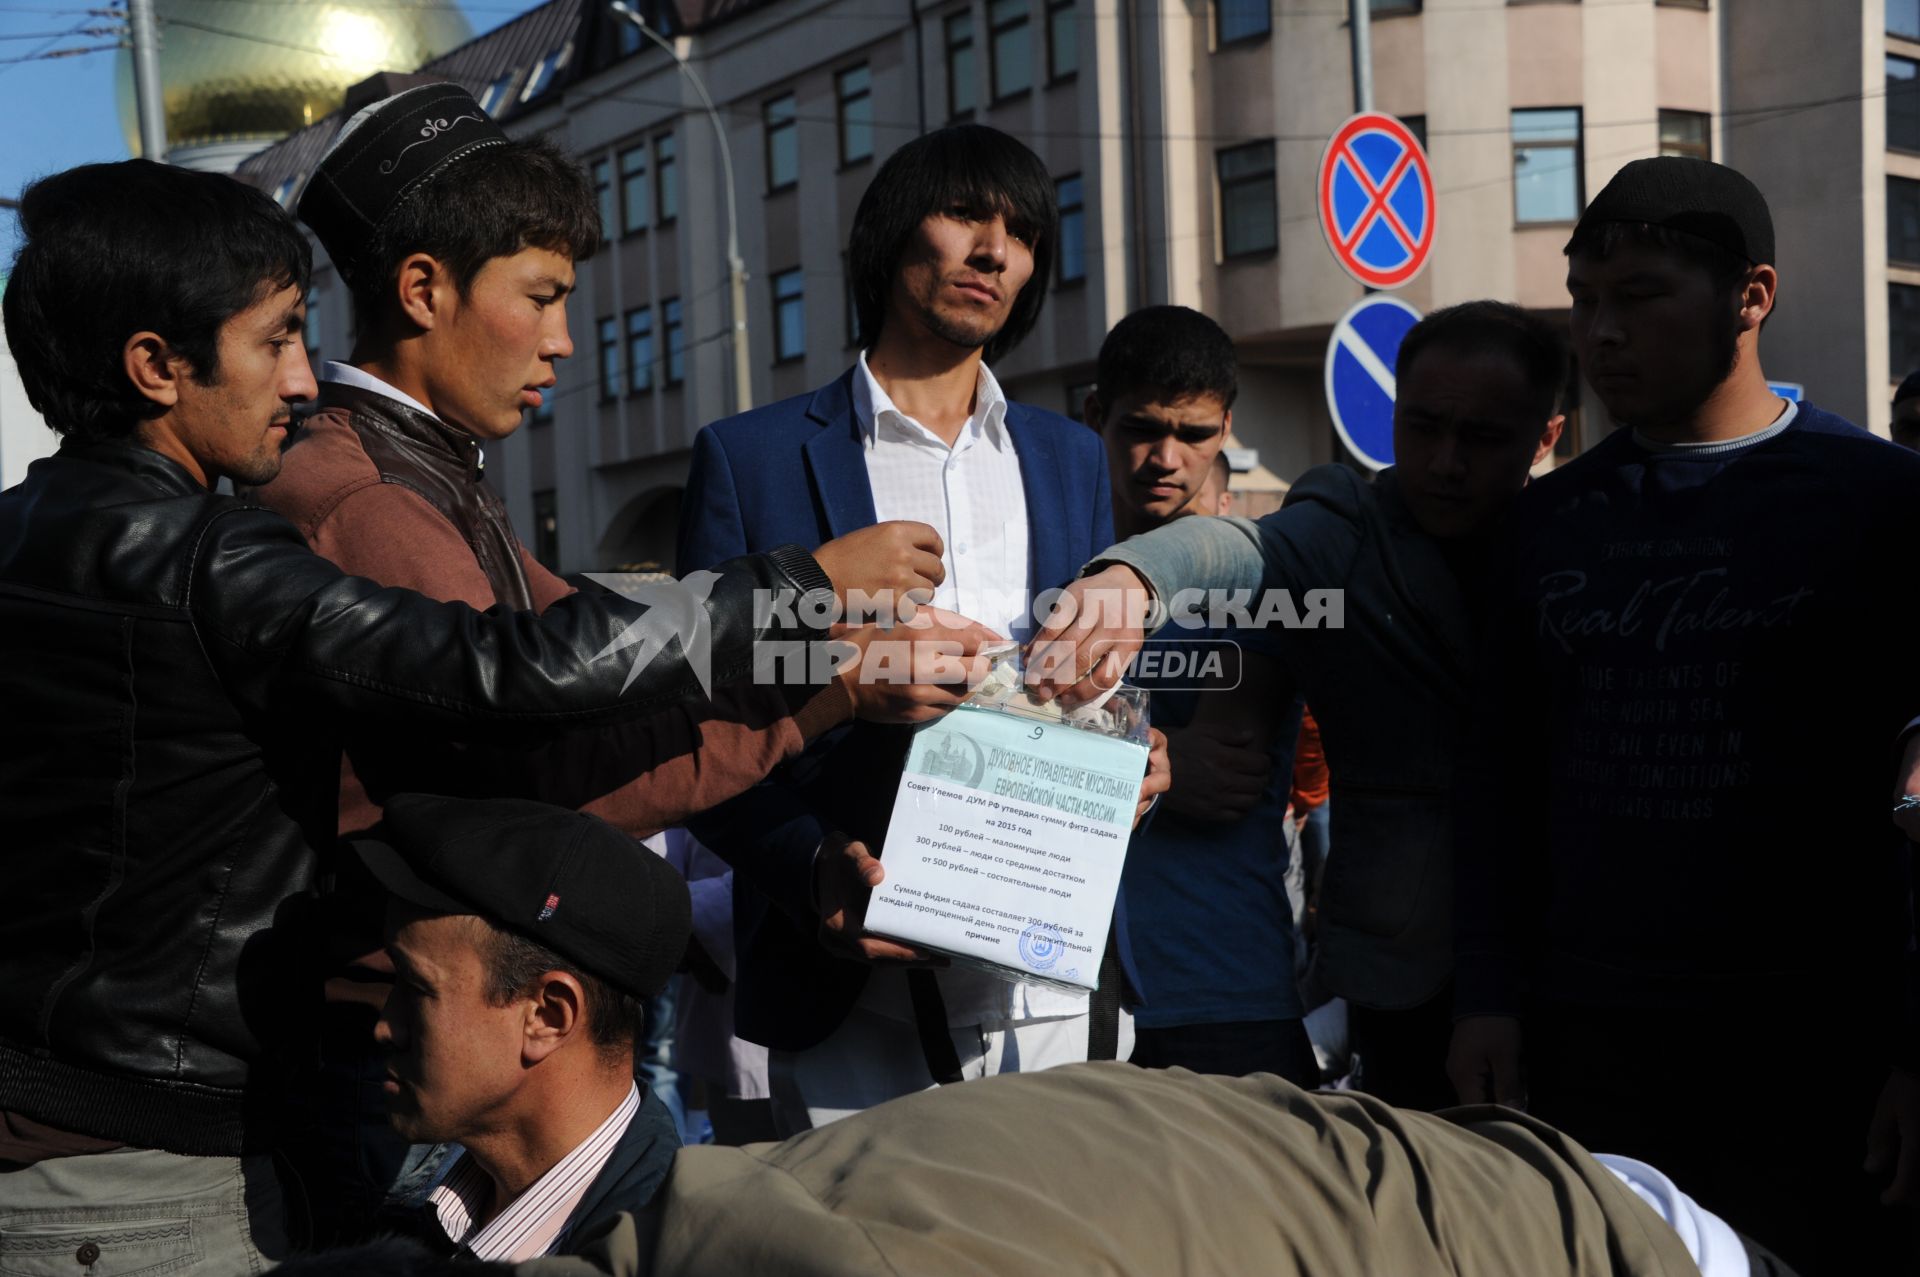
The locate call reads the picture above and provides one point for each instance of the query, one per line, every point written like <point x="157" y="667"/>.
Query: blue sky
<point x="60" y="112"/>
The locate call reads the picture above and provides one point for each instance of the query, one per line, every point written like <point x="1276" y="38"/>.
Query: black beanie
<point x="1697" y="197"/>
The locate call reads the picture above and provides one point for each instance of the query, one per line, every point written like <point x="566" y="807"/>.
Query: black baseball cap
<point x="564" y="879"/>
<point x="1696" y="197"/>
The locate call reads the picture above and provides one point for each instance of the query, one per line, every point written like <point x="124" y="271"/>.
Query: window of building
<point x="1063" y="39"/>
<point x="1249" y="208"/>
<point x="634" y="191"/>
<point x="853" y="89"/>
<point x="960" y="68"/>
<point x="543" y="72"/>
<point x="491" y="96"/>
<point x="640" y="350"/>
<point x="1546" y="166"/>
<point x="789" y="315"/>
<point x="1392" y="8"/>
<point x="1903" y="222"/>
<point x="666" y="177"/>
<point x="1903" y="19"/>
<point x="1903" y="104"/>
<point x="783" y="143"/>
<point x="1073" y="229"/>
<point x="546" y="528"/>
<point x="609" y="360"/>
<point x="1681" y="4"/>
<point x="603" y="197"/>
<point x="1687" y="133"/>
<point x="1903" y="328"/>
<point x="676" y="334"/>
<point x="1011" y="41"/>
<point x="1416" y="125"/>
<point x="1237" y="20"/>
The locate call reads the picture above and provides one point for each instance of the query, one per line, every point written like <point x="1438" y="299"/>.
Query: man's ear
<point x="1757" y="297"/>
<point x="1091" y="414"/>
<point x="420" y="287"/>
<point x="153" y="368"/>
<point x="1548" y="437"/>
<point x="556" y="1013"/>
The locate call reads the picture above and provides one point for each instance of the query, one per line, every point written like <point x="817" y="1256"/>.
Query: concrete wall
<point x="1796" y="123"/>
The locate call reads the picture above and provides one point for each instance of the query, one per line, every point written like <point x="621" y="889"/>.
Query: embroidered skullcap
<point x="1697" y="197"/>
<point x="383" y="157"/>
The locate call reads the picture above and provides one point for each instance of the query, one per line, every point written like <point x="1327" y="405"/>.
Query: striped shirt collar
<point x="531" y="1223"/>
<point x="872" y="405"/>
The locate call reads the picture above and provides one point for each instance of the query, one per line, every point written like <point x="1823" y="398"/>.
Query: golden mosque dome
<point x="234" y="71"/>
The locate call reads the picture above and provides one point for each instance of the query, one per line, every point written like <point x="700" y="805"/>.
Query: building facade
<point x="1185" y="139"/>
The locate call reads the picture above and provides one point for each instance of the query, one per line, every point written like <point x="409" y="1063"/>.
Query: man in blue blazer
<point x="950" y="252"/>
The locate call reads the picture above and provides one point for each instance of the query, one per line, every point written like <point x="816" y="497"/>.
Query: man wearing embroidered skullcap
<point x="458" y="246"/>
<point x="178" y="665"/>
<point x="1651" y="931"/>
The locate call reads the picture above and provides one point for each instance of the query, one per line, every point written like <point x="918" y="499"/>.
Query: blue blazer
<point x="796" y="472"/>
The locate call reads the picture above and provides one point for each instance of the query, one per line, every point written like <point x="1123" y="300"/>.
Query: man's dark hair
<point x="109" y="250"/>
<point x="1170" y="350"/>
<point x="1601" y="240"/>
<point x="514" y="964"/>
<point x="491" y="203"/>
<point x="969" y="169"/>
<point x="1472" y="327"/>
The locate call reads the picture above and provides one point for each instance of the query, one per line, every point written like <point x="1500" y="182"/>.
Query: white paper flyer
<point x="1009" y="832"/>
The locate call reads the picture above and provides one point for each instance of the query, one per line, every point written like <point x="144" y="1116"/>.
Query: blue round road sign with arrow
<point x="1360" y="384"/>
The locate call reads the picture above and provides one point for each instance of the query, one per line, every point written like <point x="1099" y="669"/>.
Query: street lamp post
<point x="736" y="269"/>
<point x="146" y="80"/>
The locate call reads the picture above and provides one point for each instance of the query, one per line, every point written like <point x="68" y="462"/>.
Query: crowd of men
<point x="331" y="921"/>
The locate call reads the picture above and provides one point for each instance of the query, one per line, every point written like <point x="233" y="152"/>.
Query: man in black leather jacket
<point x="172" y="659"/>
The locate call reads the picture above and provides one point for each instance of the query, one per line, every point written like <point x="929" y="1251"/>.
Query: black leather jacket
<point x="171" y="664"/>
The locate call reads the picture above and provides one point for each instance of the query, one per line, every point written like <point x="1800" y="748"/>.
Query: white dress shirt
<point x="971" y="494"/>
<point x="531" y="1223"/>
<point x="360" y="379"/>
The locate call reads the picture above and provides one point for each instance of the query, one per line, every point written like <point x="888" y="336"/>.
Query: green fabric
<point x="1109" y="1169"/>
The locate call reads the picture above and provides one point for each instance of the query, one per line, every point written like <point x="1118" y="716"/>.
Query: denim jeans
<point x="139" y="1210"/>
<point x="653" y="1062"/>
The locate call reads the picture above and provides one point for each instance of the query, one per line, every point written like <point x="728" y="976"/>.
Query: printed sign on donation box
<point x="1010" y="829"/>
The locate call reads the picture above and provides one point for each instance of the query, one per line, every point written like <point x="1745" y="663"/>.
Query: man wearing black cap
<point x="1692" y="605"/>
<point x="525" y="939"/>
